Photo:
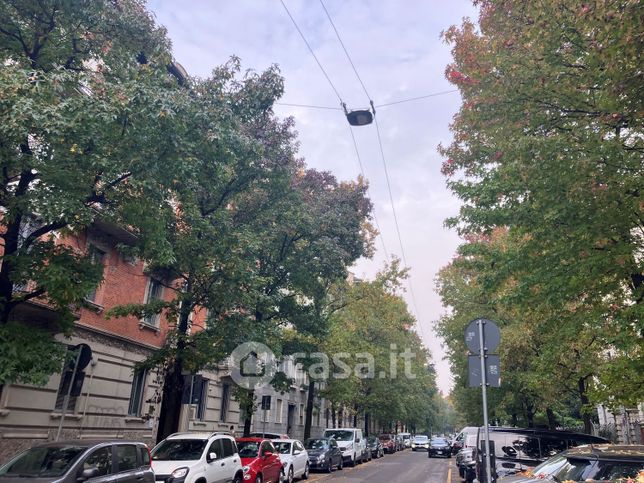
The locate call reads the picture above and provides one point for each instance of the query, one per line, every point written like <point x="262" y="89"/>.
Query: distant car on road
<point x="351" y="442"/>
<point x="400" y="444"/>
<point x="324" y="454"/>
<point x="268" y="435"/>
<point x="420" y="442"/>
<point x="388" y="443"/>
<point x="294" y="457"/>
<point x="406" y="438"/>
<point x="375" y="446"/>
<point x="439" y="447"/>
<point x="81" y="460"/>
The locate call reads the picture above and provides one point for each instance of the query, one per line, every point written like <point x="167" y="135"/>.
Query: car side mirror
<point x="211" y="457"/>
<point x="267" y="454"/>
<point x="296" y="452"/>
<point x="357" y="440"/>
<point x="88" y="473"/>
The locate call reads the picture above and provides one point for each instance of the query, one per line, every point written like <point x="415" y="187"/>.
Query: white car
<point x="197" y="458"/>
<point x="294" y="458"/>
<point x="351" y="443"/>
<point x="420" y="442"/>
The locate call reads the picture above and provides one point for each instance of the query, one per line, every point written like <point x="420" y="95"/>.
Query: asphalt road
<point x="398" y="467"/>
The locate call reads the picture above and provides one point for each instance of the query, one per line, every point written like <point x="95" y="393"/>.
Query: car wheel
<point x="329" y="466"/>
<point x="258" y="479"/>
<point x="238" y="479"/>
<point x="353" y="460"/>
<point x="289" y="477"/>
<point x="305" y="475"/>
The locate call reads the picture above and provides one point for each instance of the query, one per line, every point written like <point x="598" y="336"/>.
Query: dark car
<point x="589" y="463"/>
<point x="80" y="460"/>
<point x="388" y="443"/>
<point x="518" y="450"/>
<point x="439" y="447"/>
<point x="375" y="446"/>
<point x="266" y="435"/>
<point x="324" y="454"/>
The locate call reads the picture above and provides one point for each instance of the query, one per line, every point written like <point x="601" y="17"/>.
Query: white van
<point x="406" y="439"/>
<point x="351" y="443"/>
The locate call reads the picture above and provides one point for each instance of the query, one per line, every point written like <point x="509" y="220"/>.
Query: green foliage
<point x="548" y="149"/>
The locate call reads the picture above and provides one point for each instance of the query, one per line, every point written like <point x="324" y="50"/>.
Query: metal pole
<point x="482" y="355"/>
<point x="264" y="425"/>
<point x="69" y="391"/>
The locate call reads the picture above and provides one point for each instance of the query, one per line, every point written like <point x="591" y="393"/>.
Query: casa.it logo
<point x="252" y="365"/>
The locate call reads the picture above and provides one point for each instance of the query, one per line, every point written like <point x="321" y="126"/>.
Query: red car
<point x="261" y="462"/>
<point x="388" y="442"/>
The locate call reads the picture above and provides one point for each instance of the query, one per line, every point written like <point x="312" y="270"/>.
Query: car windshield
<point x="420" y="439"/>
<point x="573" y="469"/>
<point x="43" y="461"/>
<point x="439" y="441"/>
<point x="317" y="444"/>
<point x="384" y="437"/>
<point x="179" y="450"/>
<point x="339" y="435"/>
<point x="372" y="439"/>
<point x="248" y="449"/>
<point x="547" y="467"/>
<point x="282" y="447"/>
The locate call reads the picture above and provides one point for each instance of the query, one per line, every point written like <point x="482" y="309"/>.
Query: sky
<point x="396" y="48"/>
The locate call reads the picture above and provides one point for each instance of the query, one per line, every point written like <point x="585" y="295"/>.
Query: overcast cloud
<point x="396" y="48"/>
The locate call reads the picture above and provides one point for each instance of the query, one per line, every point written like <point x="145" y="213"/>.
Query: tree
<point x="548" y="144"/>
<point x="87" y="131"/>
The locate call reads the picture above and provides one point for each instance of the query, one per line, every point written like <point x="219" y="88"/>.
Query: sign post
<point x="481" y="336"/>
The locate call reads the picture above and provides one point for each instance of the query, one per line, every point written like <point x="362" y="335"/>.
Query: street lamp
<point x="360" y="117"/>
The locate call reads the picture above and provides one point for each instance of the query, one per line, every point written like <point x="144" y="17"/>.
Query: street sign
<point x="266" y="403"/>
<point x="492" y="370"/>
<point x="491" y="335"/>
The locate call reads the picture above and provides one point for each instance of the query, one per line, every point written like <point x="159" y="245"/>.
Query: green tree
<point x="548" y="143"/>
<point x="87" y="132"/>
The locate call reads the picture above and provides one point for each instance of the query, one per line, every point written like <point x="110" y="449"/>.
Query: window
<point x="126" y="457"/>
<point x="203" y="400"/>
<point x="100" y="459"/>
<point x="266" y="415"/>
<point x="96" y="255"/>
<point x="137" y="393"/>
<point x="67" y="386"/>
<point x="301" y="413"/>
<point x="227" y="448"/>
<point x="215" y="447"/>
<point x="145" y="456"/>
<point x="153" y="292"/>
<point x="278" y="411"/>
<point x="225" y="401"/>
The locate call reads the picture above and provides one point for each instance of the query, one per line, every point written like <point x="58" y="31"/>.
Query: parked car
<point x="294" y="457"/>
<point x="466" y="458"/>
<point x="458" y="443"/>
<point x="517" y="450"/>
<point x="351" y="442"/>
<point x="261" y="463"/>
<point x="406" y="437"/>
<point x="388" y="443"/>
<point x="439" y="447"/>
<point x="420" y="442"/>
<point x="324" y="454"/>
<point x="188" y="457"/>
<point x="80" y="460"/>
<point x="271" y="436"/>
<point x="375" y="446"/>
<point x="617" y="463"/>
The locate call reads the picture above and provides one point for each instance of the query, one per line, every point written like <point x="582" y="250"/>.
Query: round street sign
<point x="491" y="336"/>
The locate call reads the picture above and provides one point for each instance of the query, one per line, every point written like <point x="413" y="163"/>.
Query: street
<point x="402" y="466"/>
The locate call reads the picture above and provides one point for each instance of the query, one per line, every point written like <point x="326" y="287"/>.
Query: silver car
<point x="80" y="460"/>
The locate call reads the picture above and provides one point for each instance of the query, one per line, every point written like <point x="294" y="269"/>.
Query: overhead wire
<point x="417" y="98"/>
<point x="312" y="53"/>
<point x="384" y="164"/>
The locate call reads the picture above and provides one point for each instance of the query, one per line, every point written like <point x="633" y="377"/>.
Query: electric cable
<point x="337" y="34"/>
<point x="417" y="98"/>
<point x="311" y="50"/>
<point x="375" y="219"/>
<point x="307" y="105"/>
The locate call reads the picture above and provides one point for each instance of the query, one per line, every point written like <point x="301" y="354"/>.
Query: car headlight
<point x="180" y="473"/>
<point x="321" y="458"/>
<point x="246" y="469"/>
<point x="349" y="446"/>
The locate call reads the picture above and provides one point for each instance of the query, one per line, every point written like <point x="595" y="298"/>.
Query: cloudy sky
<point x="396" y="48"/>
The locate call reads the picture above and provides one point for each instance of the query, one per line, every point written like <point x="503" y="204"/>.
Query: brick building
<point x="114" y="400"/>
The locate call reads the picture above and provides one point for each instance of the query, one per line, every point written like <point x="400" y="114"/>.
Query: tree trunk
<point x="173" y="382"/>
<point x="367" y="421"/>
<point x="310" y="398"/>
<point x="333" y="415"/>
<point x="529" y="414"/>
<point x="552" y="419"/>
<point x="583" y="396"/>
<point x="247" y="423"/>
